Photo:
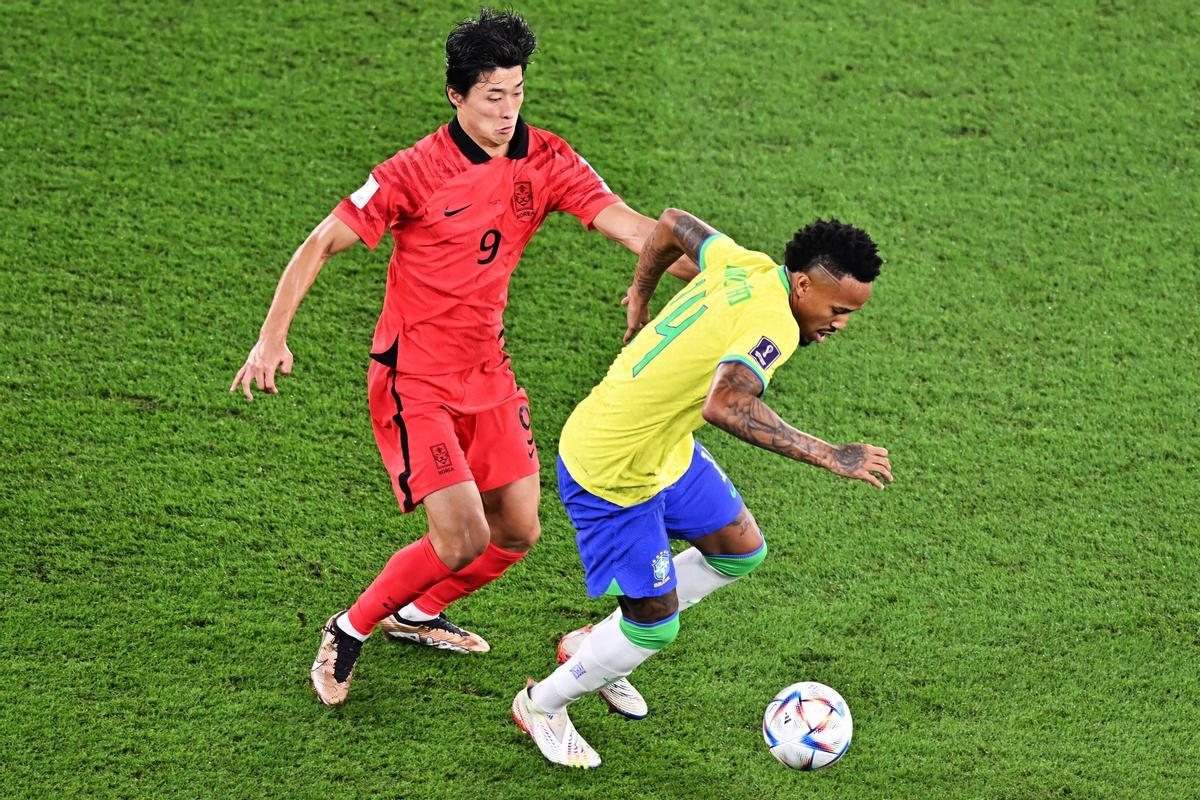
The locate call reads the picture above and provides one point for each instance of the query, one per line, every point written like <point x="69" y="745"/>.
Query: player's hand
<point x="260" y="367"/>
<point x="862" y="462"/>
<point x="637" y="312"/>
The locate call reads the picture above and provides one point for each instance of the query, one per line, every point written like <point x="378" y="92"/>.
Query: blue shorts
<point x="626" y="550"/>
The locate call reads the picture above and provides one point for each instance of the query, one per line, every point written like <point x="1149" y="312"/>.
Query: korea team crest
<point x="661" y="565"/>
<point x="522" y="200"/>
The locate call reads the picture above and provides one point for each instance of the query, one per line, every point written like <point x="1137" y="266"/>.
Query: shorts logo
<point x="522" y="199"/>
<point x="441" y="459"/>
<point x="765" y="352"/>
<point x="662" y="568"/>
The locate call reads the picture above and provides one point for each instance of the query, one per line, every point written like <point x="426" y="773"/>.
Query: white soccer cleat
<point x="620" y="696"/>
<point x="554" y="734"/>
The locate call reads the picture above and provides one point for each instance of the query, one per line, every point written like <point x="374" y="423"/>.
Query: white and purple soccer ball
<point x="807" y="726"/>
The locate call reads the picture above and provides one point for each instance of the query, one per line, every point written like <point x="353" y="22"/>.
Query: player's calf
<point x="612" y="650"/>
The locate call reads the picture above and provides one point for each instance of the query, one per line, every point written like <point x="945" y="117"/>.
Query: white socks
<point x="696" y="578"/>
<point x="414" y="614"/>
<point x="604" y="656"/>
<point x="343" y="623"/>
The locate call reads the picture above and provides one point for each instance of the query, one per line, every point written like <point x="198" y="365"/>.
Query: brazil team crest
<point x="522" y="199"/>
<point x="662" y="568"/>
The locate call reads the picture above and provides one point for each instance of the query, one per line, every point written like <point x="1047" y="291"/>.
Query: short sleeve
<point x="762" y="341"/>
<point x="376" y="205"/>
<point x="577" y="188"/>
<point x="719" y="250"/>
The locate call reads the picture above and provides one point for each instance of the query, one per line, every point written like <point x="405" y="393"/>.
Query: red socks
<point x="407" y="575"/>
<point x="483" y="570"/>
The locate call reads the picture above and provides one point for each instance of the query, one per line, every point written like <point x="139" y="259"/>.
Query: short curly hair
<point x="839" y="248"/>
<point x="493" y="40"/>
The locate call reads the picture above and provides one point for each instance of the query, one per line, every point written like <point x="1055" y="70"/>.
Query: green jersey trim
<point x="783" y="277"/>
<point x="704" y="246"/>
<point x="749" y="362"/>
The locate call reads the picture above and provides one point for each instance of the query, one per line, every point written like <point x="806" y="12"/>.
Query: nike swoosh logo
<point x="450" y="213"/>
<point x="318" y="664"/>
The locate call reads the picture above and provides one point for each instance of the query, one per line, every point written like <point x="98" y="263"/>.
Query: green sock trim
<point x="737" y="566"/>
<point x="651" y="637"/>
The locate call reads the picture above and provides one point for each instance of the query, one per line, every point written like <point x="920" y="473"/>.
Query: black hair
<point x="494" y="39"/>
<point x="840" y="248"/>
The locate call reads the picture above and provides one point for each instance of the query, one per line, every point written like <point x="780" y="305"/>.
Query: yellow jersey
<point x="632" y="436"/>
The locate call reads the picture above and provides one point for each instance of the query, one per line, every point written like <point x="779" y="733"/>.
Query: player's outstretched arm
<point x="677" y="233"/>
<point x="271" y="352"/>
<point x="630" y="228"/>
<point x="733" y="405"/>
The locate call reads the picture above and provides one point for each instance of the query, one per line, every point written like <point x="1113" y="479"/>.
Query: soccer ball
<point x="807" y="726"/>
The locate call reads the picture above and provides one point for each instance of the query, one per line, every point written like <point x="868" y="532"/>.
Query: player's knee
<point x="518" y="538"/>
<point x="651" y="635"/>
<point x="459" y="548"/>
<point x="739" y="565"/>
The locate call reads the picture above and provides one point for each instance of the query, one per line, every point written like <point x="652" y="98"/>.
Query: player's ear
<point x="801" y="284"/>
<point x="456" y="99"/>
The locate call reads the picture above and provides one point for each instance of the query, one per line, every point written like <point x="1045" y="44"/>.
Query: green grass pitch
<point x="1016" y="618"/>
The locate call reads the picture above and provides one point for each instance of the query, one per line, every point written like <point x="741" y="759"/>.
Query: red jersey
<point x="460" y="221"/>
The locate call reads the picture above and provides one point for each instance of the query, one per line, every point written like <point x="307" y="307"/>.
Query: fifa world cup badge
<point x="662" y="568"/>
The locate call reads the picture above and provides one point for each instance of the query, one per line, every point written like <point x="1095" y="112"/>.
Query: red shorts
<point x="436" y="431"/>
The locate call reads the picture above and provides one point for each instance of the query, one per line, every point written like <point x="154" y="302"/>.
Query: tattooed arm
<point x="677" y="233"/>
<point x="630" y="228"/>
<point x="733" y="406"/>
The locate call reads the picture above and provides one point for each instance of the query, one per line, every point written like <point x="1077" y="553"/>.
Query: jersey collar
<point x="517" y="148"/>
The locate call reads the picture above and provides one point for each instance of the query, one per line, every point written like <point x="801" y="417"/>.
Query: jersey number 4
<point x="671" y="325"/>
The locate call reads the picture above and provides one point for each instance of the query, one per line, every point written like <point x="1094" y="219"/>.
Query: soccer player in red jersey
<point x="451" y="423"/>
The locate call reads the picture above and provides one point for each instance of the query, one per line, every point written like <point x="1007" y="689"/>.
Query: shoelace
<point x="348" y="649"/>
<point x="447" y="625"/>
<point x="439" y="622"/>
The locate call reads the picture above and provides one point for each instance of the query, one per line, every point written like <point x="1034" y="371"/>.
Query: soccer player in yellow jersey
<point x="632" y="477"/>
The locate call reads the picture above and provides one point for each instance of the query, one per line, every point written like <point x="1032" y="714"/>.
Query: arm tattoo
<point x="691" y="233"/>
<point x="751" y="420"/>
<point x="655" y="257"/>
<point x="652" y="263"/>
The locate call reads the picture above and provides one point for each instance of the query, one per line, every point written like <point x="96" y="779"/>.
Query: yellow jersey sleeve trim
<point x="762" y="376"/>
<point x="704" y="247"/>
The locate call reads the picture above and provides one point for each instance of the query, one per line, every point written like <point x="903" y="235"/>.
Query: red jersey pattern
<point x="460" y="221"/>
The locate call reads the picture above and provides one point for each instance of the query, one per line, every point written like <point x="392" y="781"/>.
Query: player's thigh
<point x="512" y="513"/>
<point x="417" y="440"/>
<point x="499" y="443"/>
<point x="738" y="538"/>
<point x="625" y="550"/>
<point x="703" y="501"/>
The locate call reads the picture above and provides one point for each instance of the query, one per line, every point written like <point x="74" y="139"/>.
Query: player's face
<point x="822" y="304"/>
<point x="488" y="112"/>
